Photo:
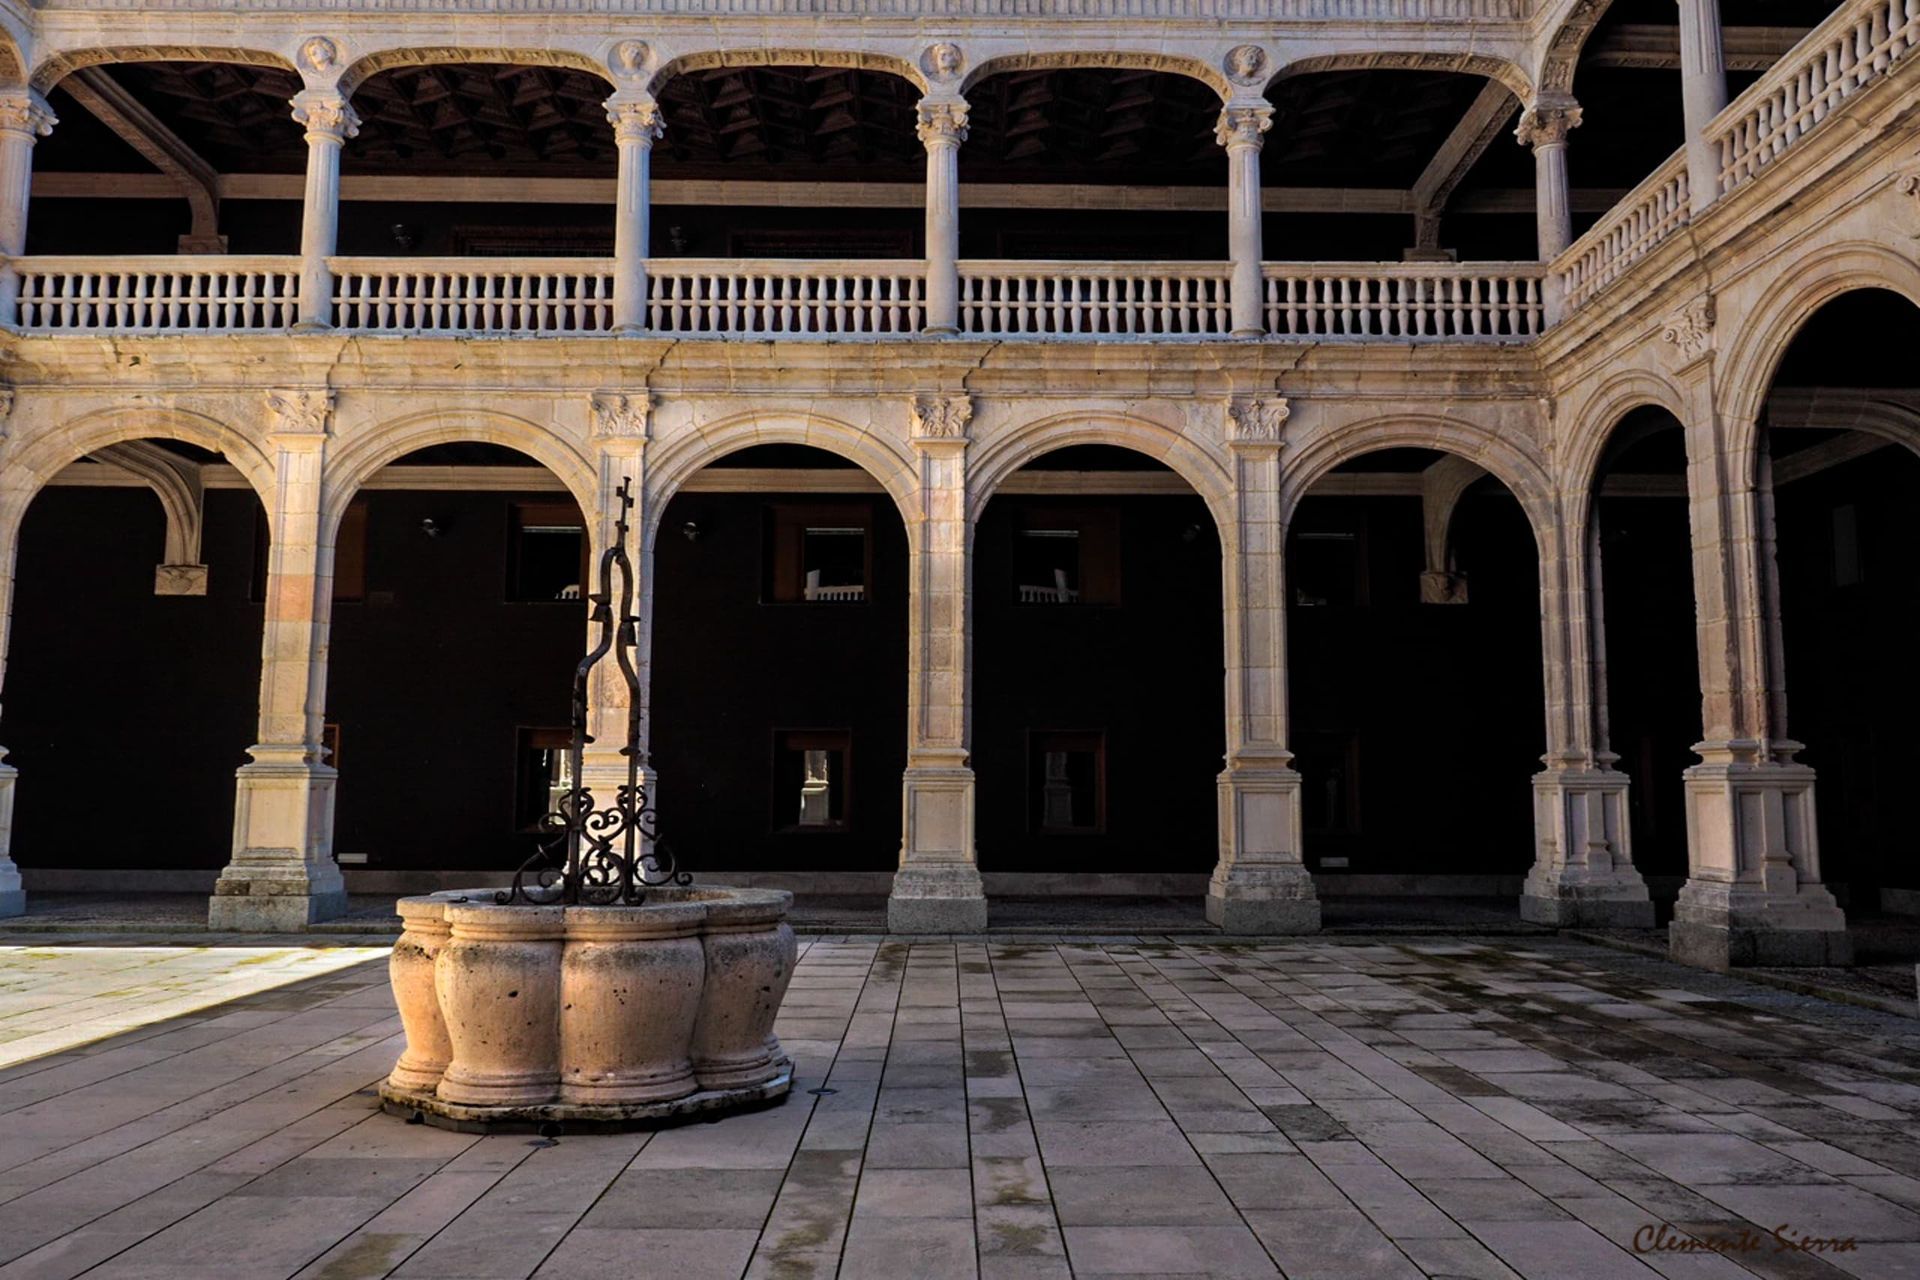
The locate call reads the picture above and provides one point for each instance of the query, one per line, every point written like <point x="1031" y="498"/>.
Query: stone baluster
<point x="1240" y="131"/>
<point x="943" y="127"/>
<point x="637" y="125"/>
<point x="621" y="428"/>
<point x="25" y="118"/>
<point x="329" y="121"/>
<point x="1260" y="884"/>
<point x="1703" y="90"/>
<point x="1753" y="893"/>
<point x="937" y="888"/>
<point x="282" y="876"/>
<point x="1583" y="873"/>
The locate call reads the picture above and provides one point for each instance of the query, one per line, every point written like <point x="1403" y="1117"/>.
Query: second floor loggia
<point x="776" y="197"/>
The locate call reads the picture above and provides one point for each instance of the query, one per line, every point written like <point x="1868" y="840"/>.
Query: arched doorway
<point x="1417" y="709"/>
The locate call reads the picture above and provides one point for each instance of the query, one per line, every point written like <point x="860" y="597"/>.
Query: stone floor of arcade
<point x="1378" y="1107"/>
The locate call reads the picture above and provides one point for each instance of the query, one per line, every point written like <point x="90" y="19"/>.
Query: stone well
<point x="524" y="1015"/>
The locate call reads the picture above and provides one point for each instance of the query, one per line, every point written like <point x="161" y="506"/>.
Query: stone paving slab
<point x="1367" y="1109"/>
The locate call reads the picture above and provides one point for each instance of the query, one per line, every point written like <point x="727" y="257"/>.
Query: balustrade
<point x="212" y="294"/>
<point x="1411" y="302"/>
<point x="1647" y="215"/>
<point x="708" y="298"/>
<point x="1087" y="299"/>
<point x="473" y="295"/>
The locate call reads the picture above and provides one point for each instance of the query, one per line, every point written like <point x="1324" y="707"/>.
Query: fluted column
<point x="937" y="888"/>
<point x="1260" y="884"/>
<point x="25" y="118"/>
<point x="943" y="127"/>
<point x="1544" y="127"/>
<point x="637" y="125"/>
<point x="1753" y="893"/>
<point x="1240" y="131"/>
<point x="329" y="122"/>
<point x="1703" y="95"/>
<point x="283" y="876"/>
<point x="1583" y="873"/>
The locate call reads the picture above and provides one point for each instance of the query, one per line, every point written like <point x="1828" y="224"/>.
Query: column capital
<point x="943" y="122"/>
<point x="299" y="416"/>
<point x="1257" y="422"/>
<point x="635" y="117"/>
<point x="326" y="115"/>
<point x="940" y="420"/>
<point x="618" y="416"/>
<point x="23" y="111"/>
<point x="1547" y="123"/>
<point x="1242" y="124"/>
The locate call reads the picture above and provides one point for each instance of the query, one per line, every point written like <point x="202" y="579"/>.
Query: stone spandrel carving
<point x="944" y="61"/>
<point x="1690" y="329"/>
<point x="299" y="413"/>
<point x="943" y="122"/>
<point x="6" y="411"/>
<point x="629" y="58"/>
<point x="619" y="416"/>
<point x="319" y="55"/>
<point x="1246" y="64"/>
<point x="941" y="417"/>
<point x="1257" y="419"/>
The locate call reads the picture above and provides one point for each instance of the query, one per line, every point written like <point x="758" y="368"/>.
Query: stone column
<point x="943" y="127"/>
<point x="1583" y="873"/>
<point x="937" y="888"/>
<point x="329" y="121"/>
<point x="1239" y="131"/>
<point x="621" y="430"/>
<point x="24" y="119"/>
<point x="1703" y="95"/>
<point x="1544" y="127"/>
<point x="636" y="127"/>
<point x="1260" y="884"/>
<point x="282" y="877"/>
<point x="13" y="899"/>
<point x="1753" y="893"/>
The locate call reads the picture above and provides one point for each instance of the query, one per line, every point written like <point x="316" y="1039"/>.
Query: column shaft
<point x="24" y="119"/>
<point x="943" y="127"/>
<point x="13" y="900"/>
<point x="1239" y="131"/>
<point x="329" y="122"/>
<point x="1703" y="89"/>
<point x="636" y="127"/>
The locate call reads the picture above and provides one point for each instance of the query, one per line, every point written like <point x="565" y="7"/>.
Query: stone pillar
<point x="24" y="119"/>
<point x="1544" y="127"/>
<point x="636" y="127"/>
<point x="943" y="127"/>
<point x="1583" y="873"/>
<point x="13" y="900"/>
<point x="1753" y="893"/>
<point x="1260" y="884"/>
<point x="282" y="877"/>
<point x="1239" y="131"/>
<point x="621" y="430"/>
<point x="329" y="121"/>
<point x="937" y="888"/>
<point x="1703" y="90"/>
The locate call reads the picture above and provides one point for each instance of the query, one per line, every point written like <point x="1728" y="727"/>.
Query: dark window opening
<point x="812" y="780"/>
<point x="543" y="778"/>
<point x="1329" y="569"/>
<point x="549" y="552"/>
<point x="1329" y="768"/>
<point x="1067" y="555"/>
<point x="819" y="554"/>
<point x="1067" y="782"/>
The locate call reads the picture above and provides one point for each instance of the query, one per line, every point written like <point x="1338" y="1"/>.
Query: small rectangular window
<point x="812" y="776"/>
<point x="1066" y="555"/>
<point x="544" y="776"/>
<point x="547" y="558"/>
<point x="1067" y="782"/>
<point x="819" y="554"/>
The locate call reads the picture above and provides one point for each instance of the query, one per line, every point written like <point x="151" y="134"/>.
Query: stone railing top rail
<point x="1198" y="10"/>
<point x="1671" y="168"/>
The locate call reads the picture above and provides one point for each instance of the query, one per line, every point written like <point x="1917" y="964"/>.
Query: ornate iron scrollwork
<point x="602" y="856"/>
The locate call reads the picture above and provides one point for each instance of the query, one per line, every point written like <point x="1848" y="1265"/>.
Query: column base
<point x="1575" y="910"/>
<point x="1260" y="885"/>
<point x="937" y="900"/>
<point x="13" y="902"/>
<point x="1583" y="874"/>
<point x="270" y="906"/>
<point x="1272" y="899"/>
<point x="1721" y="948"/>
<point x="13" y="898"/>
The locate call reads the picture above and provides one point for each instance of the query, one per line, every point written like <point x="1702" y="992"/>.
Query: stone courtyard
<point x="1382" y="1108"/>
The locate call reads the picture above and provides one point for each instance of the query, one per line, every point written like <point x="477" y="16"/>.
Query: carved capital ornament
<point x="1257" y="420"/>
<point x="1546" y="126"/>
<point x="635" y="119"/>
<point x="941" y="417"/>
<point x="1242" y="126"/>
<point x="326" y="115"/>
<point x="618" y="416"/>
<point x="943" y="123"/>
<point x="24" y="111"/>
<point x="1690" y="329"/>
<point x="300" y="413"/>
